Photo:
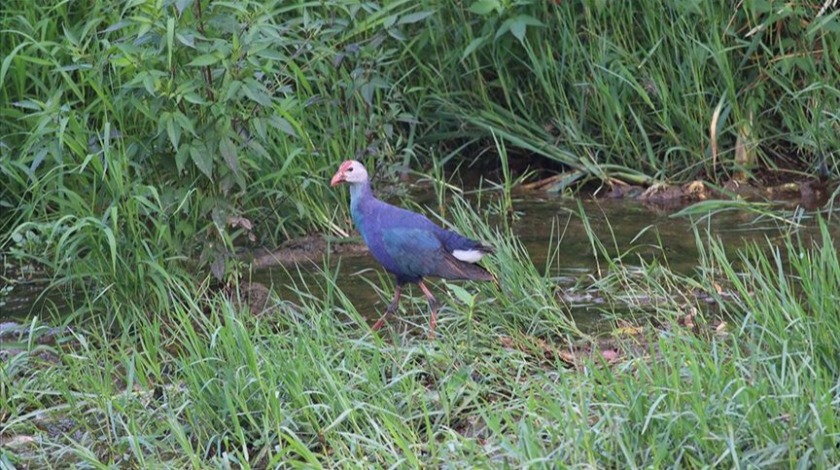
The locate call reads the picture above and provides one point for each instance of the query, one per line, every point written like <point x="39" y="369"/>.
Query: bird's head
<point x="351" y="172"/>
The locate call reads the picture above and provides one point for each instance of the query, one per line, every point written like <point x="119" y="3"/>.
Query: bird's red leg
<point x="433" y="305"/>
<point x="392" y="307"/>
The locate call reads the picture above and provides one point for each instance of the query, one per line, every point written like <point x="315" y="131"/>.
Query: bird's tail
<point x="454" y="269"/>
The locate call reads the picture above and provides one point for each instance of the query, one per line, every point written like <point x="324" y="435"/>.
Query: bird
<point x="408" y="245"/>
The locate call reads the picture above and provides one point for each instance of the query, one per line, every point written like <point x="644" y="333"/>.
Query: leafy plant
<point x="219" y="117"/>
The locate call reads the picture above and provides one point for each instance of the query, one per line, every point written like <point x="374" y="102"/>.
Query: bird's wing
<point x="415" y="251"/>
<point x="418" y="253"/>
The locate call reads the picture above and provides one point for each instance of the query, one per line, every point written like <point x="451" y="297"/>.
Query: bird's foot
<point x="392" y="307"/>
<point x="432" y="323"/>
<point x="379" y="323"/>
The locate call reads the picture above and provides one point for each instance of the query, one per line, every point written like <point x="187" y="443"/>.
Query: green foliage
<point x="637" y="91"/>
<point x="180" y="129"/>
<point x="212" y="386"/>
<point x="142" y="142"/>
<point x="228" y="118"/>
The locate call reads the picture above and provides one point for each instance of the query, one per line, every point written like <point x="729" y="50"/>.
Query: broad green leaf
<point x="40" y="156"/>
<point x="461" y="294"/>
<point x="202" y="159"/>
<point x="182" y="156"/>
<point x="270" y="54"/>
<point x="517" y="28"/>
<point x="258" y="124"/>
<point x="185" y="122"/>
<point x="170" y="39"/>
<point x="149" y="83"/>
<point x="74" y="67"/>
<point x="415" y="17"/>
<point x="28" y="104"/>
<point x="257" y="92"/>
<point x="142" y="30"/>
<point x="231" y="90"/>
<point x="117" y="26"/>
<point x="205" y="60"/>
<point x="121" y="61"/>
<point x="182" y="5"/>
<point x="8" y="60"/>
<point x="396" y="33"/>
<point x="186" y="39"/>
<point x="389" y="21"/>
<point x="228" y="150"/>
<point x="257" y="148"/>
<point x="529" y="20"/>
<point x="367" y="92"/>
<point x="173" y="130"/>
<point x="473" y="46"/>
<point x="283" y="124"/>
<point x="484" y="7"/>
<point x="194" y="98"/>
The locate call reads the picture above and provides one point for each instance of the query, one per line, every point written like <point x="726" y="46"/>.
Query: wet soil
<point x="309" y="248"/>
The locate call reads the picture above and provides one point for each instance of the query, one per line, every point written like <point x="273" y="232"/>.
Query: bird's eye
<point x="350" y="169"/>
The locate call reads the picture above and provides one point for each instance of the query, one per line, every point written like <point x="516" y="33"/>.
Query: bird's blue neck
<point x="359" y="191"/>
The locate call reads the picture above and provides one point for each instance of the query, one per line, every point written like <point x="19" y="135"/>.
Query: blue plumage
<point x="407" y="244"/>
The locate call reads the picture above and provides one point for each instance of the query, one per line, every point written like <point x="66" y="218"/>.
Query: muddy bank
<point x="41" y="341"/>
<point x="625" y="342"/>
<point x="810" y="194"/>
<point x="304" y="249"/>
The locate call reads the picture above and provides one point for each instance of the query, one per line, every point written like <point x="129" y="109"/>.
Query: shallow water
<point x="652" y="233"/>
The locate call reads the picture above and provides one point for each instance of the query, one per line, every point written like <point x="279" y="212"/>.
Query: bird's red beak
<point x="337" y="178"/>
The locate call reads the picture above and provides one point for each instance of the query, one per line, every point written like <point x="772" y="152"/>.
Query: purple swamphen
<point x="408" y="245"/>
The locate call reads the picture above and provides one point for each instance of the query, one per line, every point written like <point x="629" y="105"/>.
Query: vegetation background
<point x="142" y="141"/>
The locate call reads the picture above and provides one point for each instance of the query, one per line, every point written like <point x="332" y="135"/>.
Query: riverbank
<point x="510" y="379"/>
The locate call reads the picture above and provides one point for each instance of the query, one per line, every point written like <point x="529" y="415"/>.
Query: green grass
<point x="143" y="144"/>
<point x="175" y="133"/>
<point x="639" y="92"/>
<point x="208" y="385"/>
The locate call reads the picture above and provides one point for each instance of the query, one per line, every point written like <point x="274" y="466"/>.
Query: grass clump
<point x="210" y="385"/>
<point x="638" y="92"/>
